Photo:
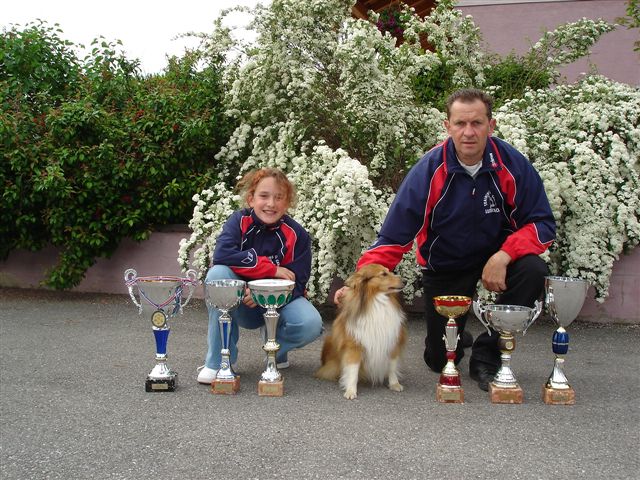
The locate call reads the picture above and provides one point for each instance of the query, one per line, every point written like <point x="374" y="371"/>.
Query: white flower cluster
<point x="329" y="100"/>
<point x="213" y="207"/>
<point x="584" y="140"/>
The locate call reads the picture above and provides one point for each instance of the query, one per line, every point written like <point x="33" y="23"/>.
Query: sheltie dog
<point x="369" y="333"/>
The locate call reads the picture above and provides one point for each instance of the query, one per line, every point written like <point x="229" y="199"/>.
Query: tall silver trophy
<point x="564" y="298"/>
<point x="224" y="295"/>
<point x="271" y="294"/>
<point x="506" y="320"/>
<point x="160" y="299"/>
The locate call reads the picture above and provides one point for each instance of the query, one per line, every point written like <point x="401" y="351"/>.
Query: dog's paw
<point x="350" y="394"/>
<point x="396" y="387"/>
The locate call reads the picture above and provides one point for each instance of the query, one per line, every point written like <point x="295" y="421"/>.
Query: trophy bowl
<point x="224" y="295"/>
<point x="564" y="298"/>
<point x="271" y="294"/>
<point x="510" y="318"/>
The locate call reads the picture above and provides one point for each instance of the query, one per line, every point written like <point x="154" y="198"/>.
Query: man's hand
<point x="337" y="297"/>
<point x="494" y="273"/>
<point x="285" y="274"/>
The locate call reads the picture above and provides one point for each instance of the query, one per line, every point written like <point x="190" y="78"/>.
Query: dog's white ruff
<point x="377" y="330"/>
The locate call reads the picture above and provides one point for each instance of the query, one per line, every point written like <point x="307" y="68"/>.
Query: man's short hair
<point x="469" y="95"/>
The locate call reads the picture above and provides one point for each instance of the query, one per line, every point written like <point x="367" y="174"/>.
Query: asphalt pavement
<point x="73" y="406"/>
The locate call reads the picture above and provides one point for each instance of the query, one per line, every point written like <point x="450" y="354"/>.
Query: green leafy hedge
<point x="93" y="153"/>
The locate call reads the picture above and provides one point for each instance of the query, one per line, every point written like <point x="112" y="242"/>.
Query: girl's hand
<point x="247" y="300"/>
<point x="285" y="274"/>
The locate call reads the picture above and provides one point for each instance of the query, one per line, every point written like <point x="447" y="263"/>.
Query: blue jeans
<point x="299" y="324"/>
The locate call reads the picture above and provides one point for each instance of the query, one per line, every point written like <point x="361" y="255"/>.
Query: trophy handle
<point x="479" y="310"/>
<point x="131" y="278"/>
<point x="190" y="281"/>
<point x="537" y="308"/>
<point x="550" y="302"/>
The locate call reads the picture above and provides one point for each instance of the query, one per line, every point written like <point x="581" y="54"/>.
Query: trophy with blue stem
<point x="564" y="298"/>
<point x="224" y="295"/>
<point x="160" y="299"/>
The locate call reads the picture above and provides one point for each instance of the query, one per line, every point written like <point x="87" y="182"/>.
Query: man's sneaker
<point x="207" y="375"/>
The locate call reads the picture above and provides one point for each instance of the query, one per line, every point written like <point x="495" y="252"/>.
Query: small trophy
<point x="449" y="389"/>
<point x="564" y="298"/>
<point x="224" y="295"/>
<point x="160" y="298"/>
<point x="507" y="320"/>
<point x="271" y="294"/>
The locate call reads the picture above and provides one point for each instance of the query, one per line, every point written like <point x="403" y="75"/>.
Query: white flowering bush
<point x="330" y="100"/>
<point x="584" y="140"/>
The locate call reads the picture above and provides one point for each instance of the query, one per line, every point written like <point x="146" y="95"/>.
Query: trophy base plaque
<point x="225" y="386"/>
<point x="160" y="385"/>
<point x="553" y="396"/>
<point x="271" y="389"/>
<point x="449" y="394"/>
<point x="505" y="395"/>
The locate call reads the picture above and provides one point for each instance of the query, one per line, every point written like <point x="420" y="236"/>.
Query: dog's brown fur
<point x="369" y="333"/>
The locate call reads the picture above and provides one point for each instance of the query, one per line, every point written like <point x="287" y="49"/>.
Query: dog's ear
<point x="352" y="281"/>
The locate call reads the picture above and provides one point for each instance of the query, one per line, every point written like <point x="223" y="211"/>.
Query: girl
<point x="258" y="242"/>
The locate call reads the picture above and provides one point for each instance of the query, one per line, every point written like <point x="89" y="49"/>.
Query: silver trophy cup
<point x="159" y="298"/>
<point x="506" y="320"/>
<point x="271" y="294"/>
<point x="225" y="295"/>
<point x="564" y="298"/>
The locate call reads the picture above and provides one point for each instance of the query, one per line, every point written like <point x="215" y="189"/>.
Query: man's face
<point x="469" y="128"/>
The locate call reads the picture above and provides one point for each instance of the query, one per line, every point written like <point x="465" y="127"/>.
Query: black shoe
<point x="483" y="375"/>
<point x="467" y="339"/>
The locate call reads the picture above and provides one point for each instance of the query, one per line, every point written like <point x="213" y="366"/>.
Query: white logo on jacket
<point x="490" y="204"/>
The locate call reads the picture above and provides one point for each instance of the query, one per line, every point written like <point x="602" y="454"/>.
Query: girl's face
<point x="269" y="201"/>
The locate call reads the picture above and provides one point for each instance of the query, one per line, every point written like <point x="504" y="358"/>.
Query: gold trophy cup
<point x="449" y="389"/>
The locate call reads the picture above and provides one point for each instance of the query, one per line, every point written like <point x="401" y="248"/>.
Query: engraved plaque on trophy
<point x="564" y="297"/>
<point x="506" y="320"/>
<point x="160" y="299"/>
<point x="224" y="295"/>
<point x="449" y="388"/>
<point x="271" y="294"/>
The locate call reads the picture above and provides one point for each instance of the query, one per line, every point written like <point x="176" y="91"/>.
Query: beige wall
<point x="515" y="26"/>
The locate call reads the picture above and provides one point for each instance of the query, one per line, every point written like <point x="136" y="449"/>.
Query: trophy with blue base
<point x="506" y="320"/>
<point x="449" y="388"/>
<point x="224" y="295"/>
<point x="160" y="299"/>
<point x="564" y="298"/>
<point x="271" y="294"/>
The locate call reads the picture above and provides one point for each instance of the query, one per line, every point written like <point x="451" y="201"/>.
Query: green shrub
<point x="94" y="153"/>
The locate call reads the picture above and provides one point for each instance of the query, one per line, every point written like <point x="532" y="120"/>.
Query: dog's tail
<point x="330" y="369"/>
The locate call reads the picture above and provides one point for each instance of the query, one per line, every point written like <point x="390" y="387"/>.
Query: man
<point x="477" y="209"/>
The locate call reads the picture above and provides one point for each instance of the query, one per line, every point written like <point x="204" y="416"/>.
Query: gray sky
<point x="145" y="27"/>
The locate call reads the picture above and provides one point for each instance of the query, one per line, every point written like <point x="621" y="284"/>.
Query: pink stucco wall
<point x="516" y="26"/>
<point x="158" y="256"/>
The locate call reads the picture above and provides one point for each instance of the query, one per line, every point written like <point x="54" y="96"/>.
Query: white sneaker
<point x="207" y="375"/>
